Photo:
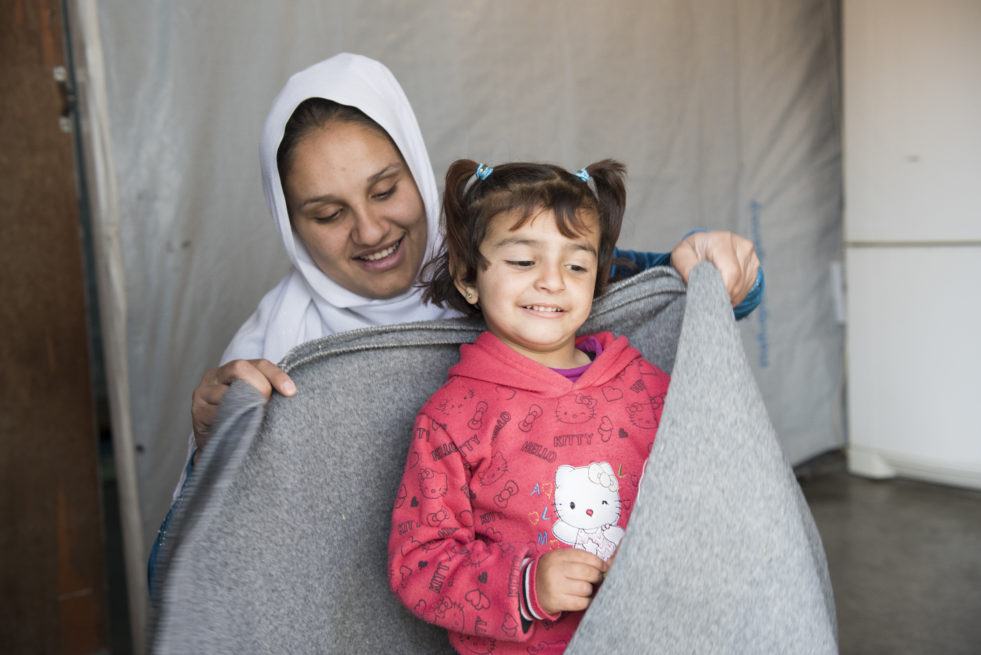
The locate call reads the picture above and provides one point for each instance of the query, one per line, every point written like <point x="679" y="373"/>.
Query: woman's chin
<point x="385" y="284"/>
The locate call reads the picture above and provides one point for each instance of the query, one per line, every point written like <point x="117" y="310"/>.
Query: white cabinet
<point x="914" y="363"/>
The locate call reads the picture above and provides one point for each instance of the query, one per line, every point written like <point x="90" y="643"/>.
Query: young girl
<point x="524" y="465"/>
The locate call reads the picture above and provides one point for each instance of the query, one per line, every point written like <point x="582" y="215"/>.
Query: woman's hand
<point x="733" y="255"/>
<point x="566" y="579"/>
<point x="260" y="373"/>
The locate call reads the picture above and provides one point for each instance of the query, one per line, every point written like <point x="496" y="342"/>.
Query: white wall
<point x="912" y="74"/>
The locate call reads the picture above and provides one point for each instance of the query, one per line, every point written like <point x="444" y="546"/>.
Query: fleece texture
<point x="280" y="542"/>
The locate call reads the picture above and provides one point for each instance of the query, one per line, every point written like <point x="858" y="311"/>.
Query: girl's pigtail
<point x="438" y="279"/>
<point x="611" y="195"/>
<point x="454" y="215"/>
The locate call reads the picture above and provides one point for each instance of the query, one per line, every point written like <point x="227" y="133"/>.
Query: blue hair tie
<point x="582" y="175"/>
<point x="483" y="172"/>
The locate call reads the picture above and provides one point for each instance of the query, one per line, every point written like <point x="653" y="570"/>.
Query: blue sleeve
<point x="753" y="298"/>
<point x="646" y="260"/>
<point x="642" y="260"/>
<point x="158" y="543"/>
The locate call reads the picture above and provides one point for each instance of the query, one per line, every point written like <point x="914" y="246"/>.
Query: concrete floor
<point x="905" y="561"/>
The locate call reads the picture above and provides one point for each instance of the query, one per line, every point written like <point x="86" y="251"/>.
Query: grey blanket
<point x="280" y="541"/>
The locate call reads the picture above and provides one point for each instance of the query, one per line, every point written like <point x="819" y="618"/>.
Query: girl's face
<point x="356" y="208"/>
<point x="538" y="287"/>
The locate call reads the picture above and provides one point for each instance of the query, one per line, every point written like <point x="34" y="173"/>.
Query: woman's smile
<point x="384" y="258"/>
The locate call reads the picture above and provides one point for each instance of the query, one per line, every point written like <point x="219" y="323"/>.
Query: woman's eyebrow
<point x="317" y="200"/>
<point x="388" y="171"/>
<point x="391" y="169"/>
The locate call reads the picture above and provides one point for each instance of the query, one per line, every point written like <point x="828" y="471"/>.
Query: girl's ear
<point x="467" y="291"/>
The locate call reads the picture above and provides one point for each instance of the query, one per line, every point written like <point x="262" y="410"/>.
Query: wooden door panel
<point x="51" y="555"/>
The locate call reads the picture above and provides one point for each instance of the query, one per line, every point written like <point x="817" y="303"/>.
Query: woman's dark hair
<point x="524" y="189"/>
<point x="314" y="113"/>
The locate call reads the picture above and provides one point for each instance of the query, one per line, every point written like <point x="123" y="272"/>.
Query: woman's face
<point x="356" y="208"/>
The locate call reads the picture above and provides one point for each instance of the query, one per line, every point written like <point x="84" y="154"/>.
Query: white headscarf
<point x="307" y="304"/>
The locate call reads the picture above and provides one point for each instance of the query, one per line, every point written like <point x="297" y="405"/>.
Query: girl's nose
<point x="550" y="277"/>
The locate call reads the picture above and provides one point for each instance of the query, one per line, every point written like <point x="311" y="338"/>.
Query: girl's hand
<point x="260" y="373"/>
<point x="567" y="578"/>
<point x="733" y="255"/>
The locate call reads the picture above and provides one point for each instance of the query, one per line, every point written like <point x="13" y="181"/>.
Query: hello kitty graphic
<point x="587" y="502"/>
<point x="450" y="614"/>
<point x="575" y="409"/>
<point x="456" y="402"/>
<point x="432" y="483"/>
<point x="498" y="466"/>
<point x="644" y="415"/>
<point x="475" y="645"/>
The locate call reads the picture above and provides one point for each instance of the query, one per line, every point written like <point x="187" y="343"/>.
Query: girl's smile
<point x="544" y="309"/>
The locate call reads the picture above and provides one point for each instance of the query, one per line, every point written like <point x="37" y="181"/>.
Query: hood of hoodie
<point x="490" y="360"/>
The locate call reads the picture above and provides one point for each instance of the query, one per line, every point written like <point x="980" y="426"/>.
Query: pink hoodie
<point x="508" y="460"/>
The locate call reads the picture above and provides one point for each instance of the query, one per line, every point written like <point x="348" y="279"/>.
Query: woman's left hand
<point x="734" y="256"/>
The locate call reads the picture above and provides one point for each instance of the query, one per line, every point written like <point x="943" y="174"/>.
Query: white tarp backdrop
<point x="726" y="114"/>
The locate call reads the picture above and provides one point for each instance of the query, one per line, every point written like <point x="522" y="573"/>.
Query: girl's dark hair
<point x="525" y="189"/>
<point x="314" y="113"/>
